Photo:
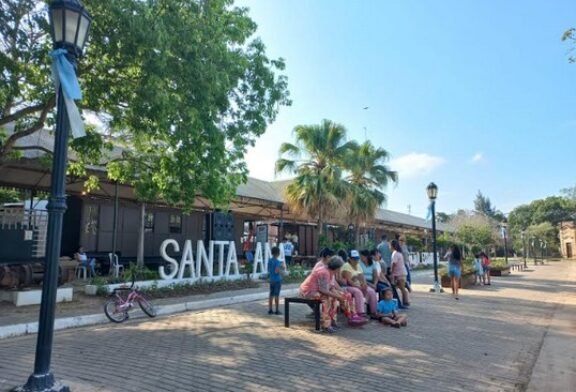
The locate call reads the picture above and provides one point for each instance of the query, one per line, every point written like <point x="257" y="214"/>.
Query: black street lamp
<point x="523" y="235"/>
<point x="69" y="26"/>
<point x="504" y="227"/>
<point x="432" y="191"/>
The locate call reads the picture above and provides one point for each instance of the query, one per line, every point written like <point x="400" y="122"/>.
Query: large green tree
<point x="475" y="231"/>
<point x="483" y="205"/>
<point x="367" y="177"/>
<point x="316" y="159"/>
<point x="183" y="87"/>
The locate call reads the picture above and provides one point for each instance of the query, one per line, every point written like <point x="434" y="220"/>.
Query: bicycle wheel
<point x="114" y="313"/>
<point x="146" y="306"/>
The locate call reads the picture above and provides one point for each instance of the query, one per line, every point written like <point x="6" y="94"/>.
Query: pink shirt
<point x="318" y="279"/>
<point x="320" y="264"/>
<point x="398" y="266"/>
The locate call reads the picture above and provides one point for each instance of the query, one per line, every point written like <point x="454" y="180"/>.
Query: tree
<point x="475" y="231"/>
<point x="482" y="205"/>
<point x="182" y="87"/>
<point x="316" y="159"/>
<point x="442" y="217"/>
<point x="569" y="193"/>
<point x="367" y="175"/>
<point x="570" y="36"/>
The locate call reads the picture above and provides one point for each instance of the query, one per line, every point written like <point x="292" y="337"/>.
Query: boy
<point x="275" y="268"/>
<point x="388" y="311"/>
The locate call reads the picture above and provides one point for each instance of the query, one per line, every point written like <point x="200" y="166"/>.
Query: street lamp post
<point x="505" y="237"/>
<point x="432" y="191"/>
<point x="523" y="235"/>
<point x="69" y="26"/>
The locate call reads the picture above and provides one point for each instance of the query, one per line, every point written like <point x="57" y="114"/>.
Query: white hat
<point x="354" y="254"/>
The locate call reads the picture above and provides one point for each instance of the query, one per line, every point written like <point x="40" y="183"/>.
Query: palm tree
<point x="367" y="176"/>
<point x="316" y="159"/>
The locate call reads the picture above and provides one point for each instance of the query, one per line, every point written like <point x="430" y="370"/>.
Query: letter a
<point x="187" y="260"/>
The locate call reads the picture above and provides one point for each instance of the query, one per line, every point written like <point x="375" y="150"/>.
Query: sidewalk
<point x="503" y="337"/>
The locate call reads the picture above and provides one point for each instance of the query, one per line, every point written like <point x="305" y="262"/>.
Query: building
<point x="568" y="239"/>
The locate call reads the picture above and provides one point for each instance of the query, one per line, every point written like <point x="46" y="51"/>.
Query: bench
<point x="311" y="302"/>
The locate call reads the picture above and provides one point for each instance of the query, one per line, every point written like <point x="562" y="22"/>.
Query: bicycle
<point x="117" y="308"/>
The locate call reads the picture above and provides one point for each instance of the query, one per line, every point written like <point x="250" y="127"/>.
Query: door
<point x="569" y="250"/>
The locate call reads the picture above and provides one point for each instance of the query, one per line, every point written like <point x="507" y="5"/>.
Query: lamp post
<point x="523" y="235"/>
<point x="69" y="25"/>
<point x="504" y="227"/>
<point x="432" y="191"/>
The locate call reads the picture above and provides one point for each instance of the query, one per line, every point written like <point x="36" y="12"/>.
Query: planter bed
<point x="466" y="281"/>
<point x="500" y="271"/>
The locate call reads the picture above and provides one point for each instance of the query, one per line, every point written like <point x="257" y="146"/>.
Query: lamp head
<point x="69" y="25"/>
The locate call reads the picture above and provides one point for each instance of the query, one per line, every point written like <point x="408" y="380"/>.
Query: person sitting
<point x="380" y="266"/>
<point x="353" y="277"/>
<point x="388" y="311"/>
<point x="317" y="286"/>
<point x="83" y="261"/>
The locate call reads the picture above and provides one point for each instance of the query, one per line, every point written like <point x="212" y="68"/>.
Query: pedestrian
<point x="317" y="286"/>
<point x="406" y="256"/>
<point x="275" y="268"/>
<point x="82" y="259"/>
<point x="486" y="268"/>
<point x="478" y="270"/>
<point x="384" y="249"/>
<point x="288" y="250"/>
<point x="388" y="311"/>
<point x="455" y="269"/>
<point x="399" y="272"/>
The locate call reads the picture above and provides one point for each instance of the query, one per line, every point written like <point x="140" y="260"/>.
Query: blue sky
<point x="473" y="95"/>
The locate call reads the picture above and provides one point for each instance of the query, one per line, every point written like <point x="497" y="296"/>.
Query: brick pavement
<point x="488" y="341"/>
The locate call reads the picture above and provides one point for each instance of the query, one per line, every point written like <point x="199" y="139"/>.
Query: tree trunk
<point x="140" y="254"/>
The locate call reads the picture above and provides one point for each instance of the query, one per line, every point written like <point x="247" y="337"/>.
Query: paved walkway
<point x="496" y="338"/>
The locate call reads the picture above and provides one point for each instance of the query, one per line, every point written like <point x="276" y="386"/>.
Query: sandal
<point x="329" y="330"/>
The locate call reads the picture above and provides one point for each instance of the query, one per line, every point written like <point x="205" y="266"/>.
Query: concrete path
<point x="497" y="338"/>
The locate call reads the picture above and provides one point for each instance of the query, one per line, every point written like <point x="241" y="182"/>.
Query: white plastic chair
<point x="81" y="272"/>
<point x="115" y="266"/>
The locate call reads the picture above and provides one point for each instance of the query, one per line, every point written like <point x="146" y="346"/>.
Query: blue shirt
<point x="275" y="277"/>
<point x="388" y="306"/>
<point x="288" y="249"/>
<point x="368" y="271"/>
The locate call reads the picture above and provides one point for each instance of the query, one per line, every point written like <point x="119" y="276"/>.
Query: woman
<point x="317" y="286"/>
<point x="399" y="272"/>
<point x="485" y="268"/>
<point x="380" y="266"/>
<point x="455" y="269"/>
<point x="82" y="259"/>
<point x="352" y="277"/>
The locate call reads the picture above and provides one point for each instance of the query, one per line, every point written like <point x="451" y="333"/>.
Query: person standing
<point x="386" y="254"/>
<point x="275" y="271"/>
<point x="288" y="250"/>
<point x="455" y="269"/>
<point x="399" y="272"/>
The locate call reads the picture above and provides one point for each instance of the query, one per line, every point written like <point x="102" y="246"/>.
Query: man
<point x="288" y="250"/>
<point x="384" y="249"/>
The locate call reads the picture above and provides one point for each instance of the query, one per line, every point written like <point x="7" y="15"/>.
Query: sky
<point x="472" y="95"/>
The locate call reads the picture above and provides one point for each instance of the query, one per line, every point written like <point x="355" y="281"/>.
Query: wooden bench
<point x="312" y="302"/>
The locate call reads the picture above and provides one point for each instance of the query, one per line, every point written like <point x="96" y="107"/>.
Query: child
<point x="275" y="268"/>
<point x="478" y="270"/>
<point x="388" y="311"/>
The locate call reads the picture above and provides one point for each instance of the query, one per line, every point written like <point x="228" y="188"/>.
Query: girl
<point x="399" y="272"/>
<point x="486" y="267"/>
<point x="478" y="270"/>
<point x="388" y="311"/>
<point x="455" y="269"/>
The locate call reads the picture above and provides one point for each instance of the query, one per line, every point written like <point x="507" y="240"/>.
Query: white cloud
<point x="416" y="164"/>
<point x="478" y="157"/>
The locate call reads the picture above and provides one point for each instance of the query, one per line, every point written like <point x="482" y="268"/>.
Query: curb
<point x="14" y="330"/>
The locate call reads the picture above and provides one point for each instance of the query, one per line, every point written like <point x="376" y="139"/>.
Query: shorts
<point x="275" y="289"/>
<point x="486" y="269"/>
<point x="454" y="271"/>
<point x="288" y="259"/>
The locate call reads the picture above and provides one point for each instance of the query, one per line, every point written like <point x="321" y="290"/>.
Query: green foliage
<point x="569" y="193"/>
<point x="475" y="231"/>
<point x="570" y="36"/>
<point x="139" y="273"/>
<point x="9" y="195"/>
<point x="296" y="274"/>
<point x="483" y="206"/>
<point x="414" y="243"/>
<point x="184" y="88"/>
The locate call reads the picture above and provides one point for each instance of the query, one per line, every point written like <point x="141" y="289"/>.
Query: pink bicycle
<point x="118" y="307"/>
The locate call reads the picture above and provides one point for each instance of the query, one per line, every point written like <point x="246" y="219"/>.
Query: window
<point x="91" y="222"/>
<point x="175" y="224"/>
<point x="149" y="222"/>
